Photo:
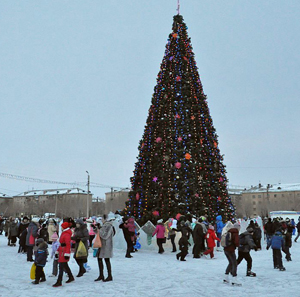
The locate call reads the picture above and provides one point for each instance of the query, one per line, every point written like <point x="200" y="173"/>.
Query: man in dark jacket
<point x="298" y="230"/>
<point x="246" y="244"/>
<point x="229" y="251"/>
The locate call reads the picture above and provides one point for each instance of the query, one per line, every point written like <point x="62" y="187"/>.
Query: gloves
<point x="77" y="240"/>
<point x="268" y="247"/>
<point x="56" y="256"/>
<point x="63" y="244"/>
<point x="67" y="257"/>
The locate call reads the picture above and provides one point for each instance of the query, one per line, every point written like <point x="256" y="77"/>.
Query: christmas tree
<point x="179" y="168"/>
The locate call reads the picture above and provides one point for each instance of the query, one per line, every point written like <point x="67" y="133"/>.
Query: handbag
<point x="81" y="251"/>
<point x="97" y="242"/>
<point x="32" y="271"/>
<point x="164" y="240"/>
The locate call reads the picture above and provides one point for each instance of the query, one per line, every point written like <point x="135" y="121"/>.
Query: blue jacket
<point x="219" y="224"/>
<point x="277" y="241"/>
<point x="41" y="254"/>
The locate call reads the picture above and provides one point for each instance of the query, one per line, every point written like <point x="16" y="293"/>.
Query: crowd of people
<point x="77" y="236"/>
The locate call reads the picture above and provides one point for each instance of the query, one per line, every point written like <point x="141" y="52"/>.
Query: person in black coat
<point x="198" y="236"/>
<point x="246" y="244"/>
<point x="287" y="236"/>
<point x="43" y="232"/>
<point x="257" y="236"/>
<point x="127" y="236"/>
<point x="298" y="230"/>
<point x="81" y="233"/>
<point x="269" y="230"/>
<point x="183" y="246"/>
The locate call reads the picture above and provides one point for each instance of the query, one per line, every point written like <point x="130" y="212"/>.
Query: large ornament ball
<point x="188" y="156"/>
<point x="158" y="139"/>
<point x="178" y="165"/>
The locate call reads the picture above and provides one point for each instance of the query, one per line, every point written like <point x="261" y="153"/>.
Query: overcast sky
<point x="77" y="79"/>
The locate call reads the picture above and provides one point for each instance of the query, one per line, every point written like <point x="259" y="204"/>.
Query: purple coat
<point x="159" y="231"/>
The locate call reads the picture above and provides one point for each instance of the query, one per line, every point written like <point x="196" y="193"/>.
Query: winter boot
<point x="226" y="279"/>
<point x="250" y="273"/>
<point x="282" y="269"/>
<point x="35" y="282"/>
<point x="57" y="284"/>
<point x="108" y="279"/>
<point x="235" y="281"/>
<point x="42" y="280"/>
<point x="71" y="279"/>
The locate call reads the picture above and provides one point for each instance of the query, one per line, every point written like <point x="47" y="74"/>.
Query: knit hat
<point x="211" y="227"/>
<point x="35" y="220"/>
<point x="237" y="226"/>
<point x="39" y="240"/>
<point x="160" y="221"/>
<point x="54" y="236"/>
<point x="65" y="225"/>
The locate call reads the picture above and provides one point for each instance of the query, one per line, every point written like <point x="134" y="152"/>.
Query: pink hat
<point x="54" y="236"/>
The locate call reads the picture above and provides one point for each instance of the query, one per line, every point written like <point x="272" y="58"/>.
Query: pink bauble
<point x="178" y="165"/>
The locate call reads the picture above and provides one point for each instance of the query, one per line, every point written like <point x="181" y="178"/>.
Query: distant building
<point x="98" y="207"/>
<point x="63" y="202"/>
<point x="6" y="205"/>
<point x="261" y="199"/>
<point x="115" y="200"/>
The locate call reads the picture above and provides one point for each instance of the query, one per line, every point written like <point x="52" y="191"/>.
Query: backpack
<point x="226" y="239"/>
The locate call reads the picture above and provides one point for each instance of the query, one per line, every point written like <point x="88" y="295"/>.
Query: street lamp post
<point x="88" y="195"/>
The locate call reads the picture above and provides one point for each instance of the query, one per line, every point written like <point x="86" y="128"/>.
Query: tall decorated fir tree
<point x="179" y="167"/>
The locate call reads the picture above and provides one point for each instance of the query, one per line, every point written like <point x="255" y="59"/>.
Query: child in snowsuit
<point x="210" y="240"/>
<point x="246" y="244"/>
<point x="55" y="246"/>
<point x="40" y="260"/>
<point x="277" y="243"/>
<point x="183" y="246"/>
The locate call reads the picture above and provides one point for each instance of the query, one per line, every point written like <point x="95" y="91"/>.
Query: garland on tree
<point x="179" y="169"/>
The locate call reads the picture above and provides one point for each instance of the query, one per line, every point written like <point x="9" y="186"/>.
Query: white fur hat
<point x="110" y="217"/>
<point x="160" y="221"/>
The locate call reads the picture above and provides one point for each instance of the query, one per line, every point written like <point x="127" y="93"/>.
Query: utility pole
<point x="88" y="195"/>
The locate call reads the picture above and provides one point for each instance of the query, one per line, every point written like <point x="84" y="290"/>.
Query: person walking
<point x="81" y="234"/>
<point x="106" y="232"/>
<point x="211" y="241"/>
<point x="63" y="253"/>
<point x="160" y="235"/>
<point x="219" y="227"/>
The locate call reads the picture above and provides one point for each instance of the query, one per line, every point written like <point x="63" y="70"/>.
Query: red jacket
<point x="210" y="238"/>
<point x="64" y="251"/>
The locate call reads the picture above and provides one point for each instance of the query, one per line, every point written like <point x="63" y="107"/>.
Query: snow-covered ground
<point x="151" y="274"/>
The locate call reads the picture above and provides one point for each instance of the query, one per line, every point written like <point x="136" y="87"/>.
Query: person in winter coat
<point x="172" y="233"/>
<point x="32" y="234"/>
<point x="287" y="236"/>
<point x="160" y="235"/>
<point x="7" y="229"/>
<point x="127" y="235"/>
<point x="219" y="227"/>
<point x="63" y="254"/>
<point x="40" y="260"/>
<point x="298" y="230"/>
<point x="22" y="242"/>
<point x="13" y="232"/>
<point x="55" y="246"/>
<point x="229" y="251"/>
<point x="257" y="234"/>
<point x="81" y="234"/>
<point x="106" y="232"/>
<point x="269" y="230"/>
<point x="198" y="237"/>
<point x="43" y="232"/>
<point x="277" y="243"/>
<point x="183" y="246"/>
<point x="23" y="225"/>
<point x="246" y="244"/>
<point x="210" y="240"/>
<point x="51" y="228"/>
<point x="92" y="233"/>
